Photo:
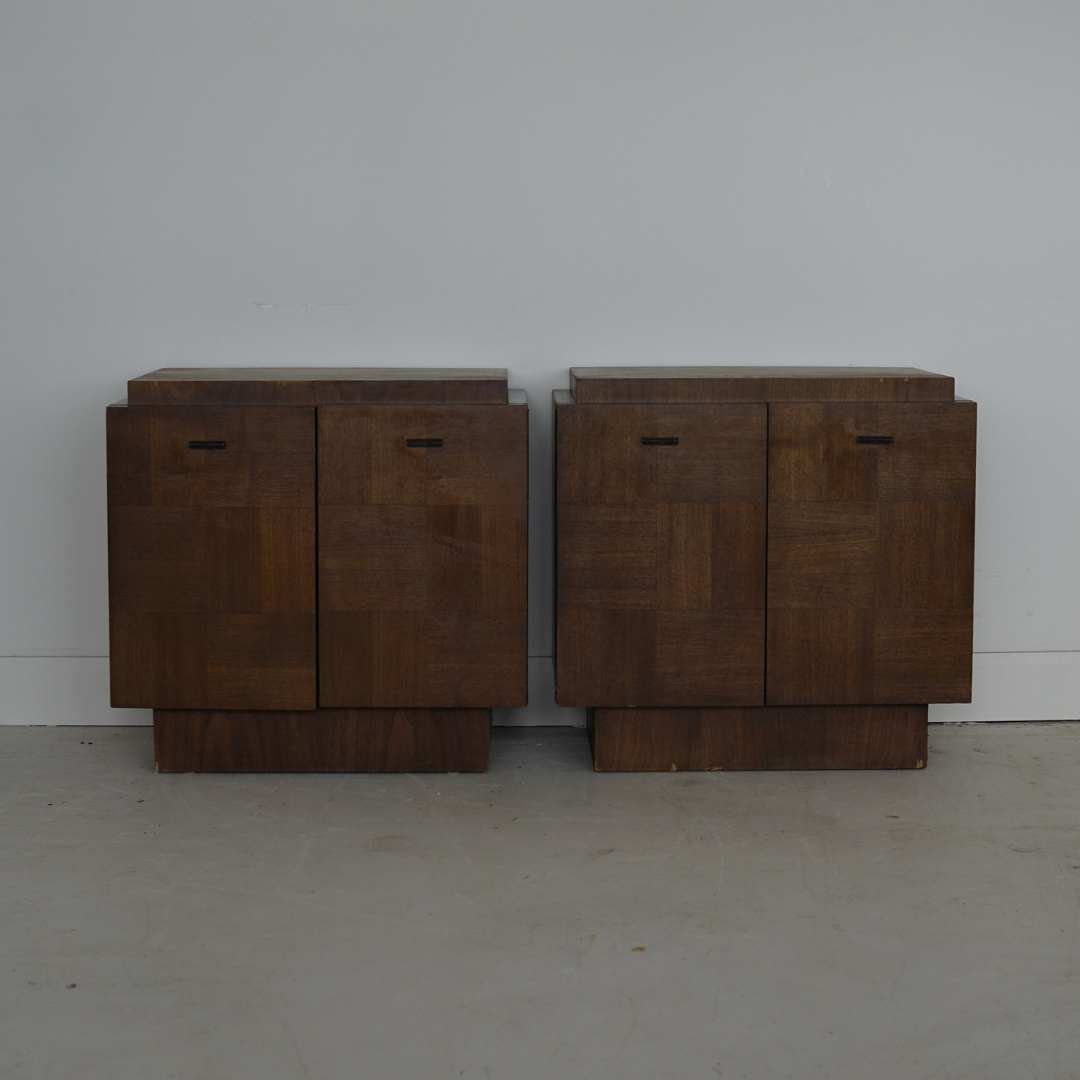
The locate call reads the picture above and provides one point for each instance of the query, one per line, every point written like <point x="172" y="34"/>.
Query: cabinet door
<point x="423" y="517"/>
<point x="871" y="553"/>
<point x="660" y="566"/>
<point x="212" y="557"/>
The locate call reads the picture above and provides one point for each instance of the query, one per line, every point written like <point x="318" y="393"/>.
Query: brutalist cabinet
<point x="763" y="567"/>
<point x="319" y="569"/>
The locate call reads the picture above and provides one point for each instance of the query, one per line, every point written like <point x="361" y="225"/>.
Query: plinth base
<point x="763" y="737"/>
<point x="323" y="740"/>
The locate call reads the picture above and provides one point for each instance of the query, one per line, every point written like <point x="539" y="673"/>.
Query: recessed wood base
<point x="764" y="737"/>
<point x="323" y="740"/>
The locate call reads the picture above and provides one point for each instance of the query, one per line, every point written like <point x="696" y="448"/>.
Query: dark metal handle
<point x="875" y="440"/>
<point x="423" y="442"/>
<point x="205" y="444"/>
<point x="667" y="440"/>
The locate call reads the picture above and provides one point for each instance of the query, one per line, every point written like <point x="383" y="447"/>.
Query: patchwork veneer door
<point x="871" y="553"/>
<point x="660" y="566"/>
<point x="212" y="557"/>
<point x="423" y="515"/>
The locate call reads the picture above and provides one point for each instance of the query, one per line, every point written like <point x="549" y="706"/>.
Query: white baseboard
<point x="55" y="690"/>
<point x="61" y="690"/>
<point x="1006" y="686"/>
<point x="541" y="710"/>
<point x="1018" y="686"/>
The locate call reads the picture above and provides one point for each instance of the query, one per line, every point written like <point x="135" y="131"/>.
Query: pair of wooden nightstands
<point x="325" y="570"/>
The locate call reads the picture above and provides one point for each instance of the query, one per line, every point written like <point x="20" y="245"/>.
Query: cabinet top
<point x="319" y="386"/>
<point x="718" y="384"/>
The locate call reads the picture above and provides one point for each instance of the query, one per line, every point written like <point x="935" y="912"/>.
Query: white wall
<point x="535" y="186"/>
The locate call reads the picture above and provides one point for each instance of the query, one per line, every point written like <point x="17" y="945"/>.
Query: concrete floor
<point x="541" y="921"/>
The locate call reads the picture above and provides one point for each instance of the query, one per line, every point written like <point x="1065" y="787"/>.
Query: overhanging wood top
<point x="319" y="386"/>
<point x="744" y="384"/>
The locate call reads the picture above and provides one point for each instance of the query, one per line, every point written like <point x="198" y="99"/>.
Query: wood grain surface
<point x="423" y="556"/>
<point x="792" y="737"/>
<point x="870" y="553"/>
<point x="661" y="385"/>
<point x="325" y="740"/>
<point x="212" y="558"/>
<point x="318" y="386"/>
<point x="660" y="566"/>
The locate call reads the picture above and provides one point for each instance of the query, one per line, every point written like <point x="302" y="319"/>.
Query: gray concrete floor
<point x="540" y="921"/>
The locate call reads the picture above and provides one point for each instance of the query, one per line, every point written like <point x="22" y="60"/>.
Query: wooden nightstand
<point x="319" y="569"/>
<point x="763" y="567"/>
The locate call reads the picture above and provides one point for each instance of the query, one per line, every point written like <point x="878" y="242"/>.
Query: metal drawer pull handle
<point x="875" y="440"/>
<point x="423" y="442"/>
<point x="667" y="440"/>
<point x="205" y="444"/>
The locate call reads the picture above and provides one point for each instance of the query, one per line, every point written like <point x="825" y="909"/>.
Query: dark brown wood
<point x="757" y="384"/>
<point x="792" y="737"/>
<point x="870" y="568"/>
<point x="660" y="554"/>
<point x="870" y="553"/>
<point x="325" y="740"/>
<point x="423" y="556"/>
<point x="212" y="558"/>
<point x="318" y="386"/>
